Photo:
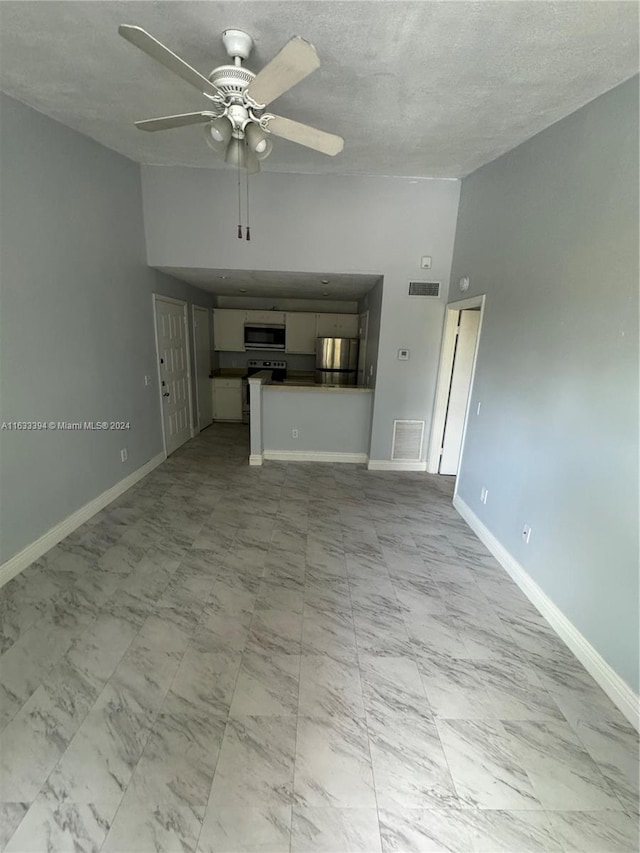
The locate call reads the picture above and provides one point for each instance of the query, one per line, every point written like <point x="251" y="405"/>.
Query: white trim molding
<point x="613" y="685"/>
<point x="314" y="456"/>
<point x="14" y="565"/>
<point x="256" y="459"/>
<point x="445" y="368"/>
<point x="391" y="465"/>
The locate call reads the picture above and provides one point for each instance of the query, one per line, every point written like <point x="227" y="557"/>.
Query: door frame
<point x="158" y="297"/>
<point x="445" y="369"/>
<point x="195" y="308"/>
<point x="362" y="356"/>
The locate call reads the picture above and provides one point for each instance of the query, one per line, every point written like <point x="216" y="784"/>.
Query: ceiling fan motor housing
<point x="231" y="79"/>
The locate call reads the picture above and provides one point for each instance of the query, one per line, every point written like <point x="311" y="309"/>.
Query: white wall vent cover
<point x="407" y="441"/>
<point x="424" y="288"/>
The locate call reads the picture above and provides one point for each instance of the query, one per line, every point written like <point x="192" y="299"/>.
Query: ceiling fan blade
<point x="296" y="60"/>
<point x="167" y="122"/>
<point x="181" y="120"/>
<point x="304" y="134"/>
<point x="166" y="57"/>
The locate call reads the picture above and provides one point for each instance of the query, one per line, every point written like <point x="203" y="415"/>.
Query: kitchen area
<point x="298" y="378"/>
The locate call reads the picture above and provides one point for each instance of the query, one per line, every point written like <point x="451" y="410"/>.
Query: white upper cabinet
<point x="300" y="332"/>
<point x="266" y="318"/>
<point x="337" y="325"/>
<point x="349" y="325"/>
<point x="302" y="328"/>
<point x="228" y="329"/>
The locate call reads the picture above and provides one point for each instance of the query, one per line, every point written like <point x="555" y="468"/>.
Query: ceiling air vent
<point x="407" y="441"/>
<point x="424" y="288"/>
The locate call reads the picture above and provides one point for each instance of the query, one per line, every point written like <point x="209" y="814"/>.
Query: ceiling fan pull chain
<point x="239" y="207"/>
<point x="248" y="226"/>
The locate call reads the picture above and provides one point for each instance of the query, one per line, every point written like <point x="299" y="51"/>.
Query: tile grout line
<point x="366" y="716"/>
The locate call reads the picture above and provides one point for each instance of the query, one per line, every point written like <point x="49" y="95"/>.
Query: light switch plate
<point x="425" y="262"/>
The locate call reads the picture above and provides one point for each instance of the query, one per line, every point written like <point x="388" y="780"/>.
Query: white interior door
<point x="362" y="348"/>
<point x="174" y="371"/>
<point x="461" y="375"/>
<point x="202" y="349"/>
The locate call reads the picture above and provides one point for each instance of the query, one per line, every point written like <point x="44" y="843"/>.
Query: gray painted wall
<point x="327" y="421"/>
<point x="550" y="233"/>
<point x="336" y="224"/>
<point x="76" y="321"/>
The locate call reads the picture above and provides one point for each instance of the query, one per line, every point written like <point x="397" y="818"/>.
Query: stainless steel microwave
<point x="264" y="337"/>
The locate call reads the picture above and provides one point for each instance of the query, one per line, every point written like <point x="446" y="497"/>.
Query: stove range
<point x="255" y="365"/>
<point x="278" y="368"/>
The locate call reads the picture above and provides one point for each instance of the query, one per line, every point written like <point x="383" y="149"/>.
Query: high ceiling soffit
<point x="276" y="285"/>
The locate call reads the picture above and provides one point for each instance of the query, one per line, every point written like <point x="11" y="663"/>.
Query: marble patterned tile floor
<point x="298" y="657"/>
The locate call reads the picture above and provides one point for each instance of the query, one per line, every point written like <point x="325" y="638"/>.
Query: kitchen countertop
<point x="301" y="385"/>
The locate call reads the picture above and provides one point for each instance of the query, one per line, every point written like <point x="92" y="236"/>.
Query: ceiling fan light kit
<point x="219" y="131"/>
<point x="256" y="138"/>
<point x="236" y="122"/>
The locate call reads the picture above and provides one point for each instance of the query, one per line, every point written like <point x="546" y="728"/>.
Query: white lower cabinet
<point x="227" y="398"/>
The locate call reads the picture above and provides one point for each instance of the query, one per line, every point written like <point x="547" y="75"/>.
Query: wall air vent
<point x="407" y="441"/>
<point x="424" y="288"/>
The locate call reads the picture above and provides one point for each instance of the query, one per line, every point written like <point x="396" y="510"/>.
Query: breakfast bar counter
<point x="299" y="420"/>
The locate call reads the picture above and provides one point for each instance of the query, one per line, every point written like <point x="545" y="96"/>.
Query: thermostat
<point x="403" y="355"/>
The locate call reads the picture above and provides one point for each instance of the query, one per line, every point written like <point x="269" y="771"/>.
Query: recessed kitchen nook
<point x="295" y="374"/>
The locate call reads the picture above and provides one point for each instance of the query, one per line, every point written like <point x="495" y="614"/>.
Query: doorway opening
<point x="460" y="340"/>
<point x="174" y="371"/>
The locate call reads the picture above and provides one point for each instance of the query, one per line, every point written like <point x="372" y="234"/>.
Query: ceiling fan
<point x="236" y="122"/>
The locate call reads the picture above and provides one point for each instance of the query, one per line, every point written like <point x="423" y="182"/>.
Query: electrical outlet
<point x="294" y="433"/>
<point x="147" y="380"/>
<point x="124" y="455"/>
<point x="526" y="533"/>
<point x="484" y="494"/>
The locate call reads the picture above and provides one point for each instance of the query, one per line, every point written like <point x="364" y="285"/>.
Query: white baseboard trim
<point x="314" y="456"/>
<point x="14" y="565"/>
<point x="391" y="465"/>
<point x="255" y="459"/>
<point x="613" y="685"/>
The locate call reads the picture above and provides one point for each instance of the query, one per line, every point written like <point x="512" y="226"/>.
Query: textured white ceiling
<point x="276" y="285"/>
<point x="416" y="88"/>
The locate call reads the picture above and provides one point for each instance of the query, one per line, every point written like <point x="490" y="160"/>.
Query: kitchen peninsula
<point x="301" y="421"/>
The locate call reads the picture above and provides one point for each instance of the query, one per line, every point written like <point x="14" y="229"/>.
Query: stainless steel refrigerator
<point x="337" y="361"/>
